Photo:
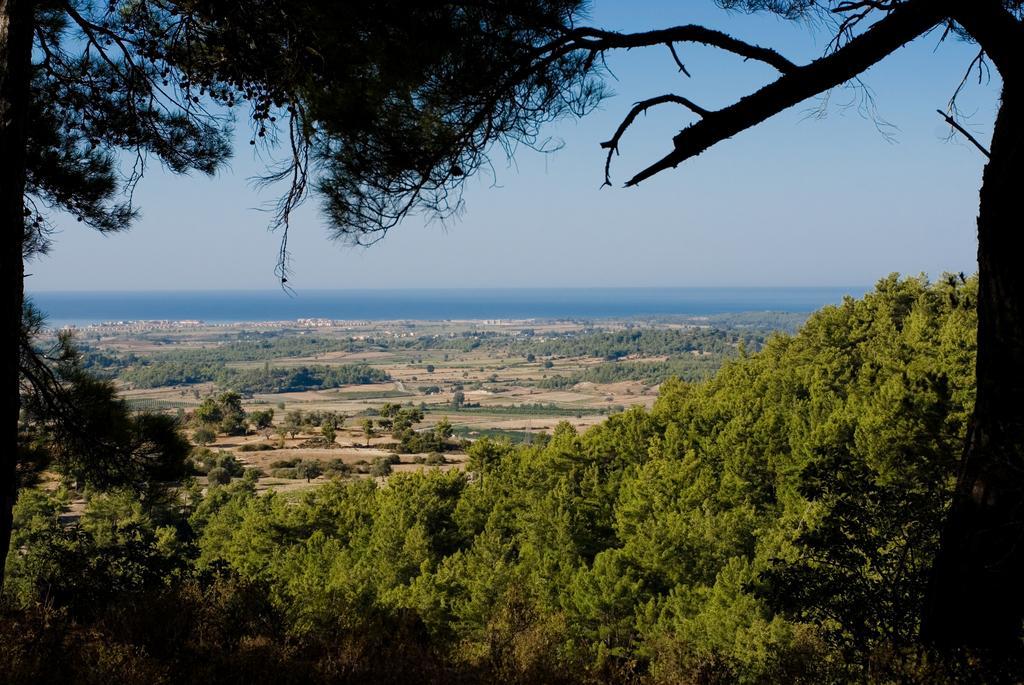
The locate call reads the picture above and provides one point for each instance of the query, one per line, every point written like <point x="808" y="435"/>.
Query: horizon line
<point x="299" y="291"/>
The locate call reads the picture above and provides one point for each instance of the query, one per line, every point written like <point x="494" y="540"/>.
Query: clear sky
<point x="801" y="200"/>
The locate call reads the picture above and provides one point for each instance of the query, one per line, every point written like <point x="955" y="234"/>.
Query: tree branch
<point x="953" y="122"/>
<point x="861" y="4"/>
<point x="903" y="24"/>
<point x="675" y="56"/>
<point x="612" y="145"/>
<point x="598" y="40"/>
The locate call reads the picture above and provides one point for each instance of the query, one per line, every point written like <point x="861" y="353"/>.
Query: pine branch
<point x="902" y="25"/>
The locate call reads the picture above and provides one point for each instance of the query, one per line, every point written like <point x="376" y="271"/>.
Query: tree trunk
<point x="16" y="18"/>
<point x="976" y="597"/>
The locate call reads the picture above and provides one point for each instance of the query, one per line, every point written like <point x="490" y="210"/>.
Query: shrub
<point x="380" y="467"/>
<point x="256" y="447"/>
<point x="290" y="473"/>
<point x="204" y="435"/>
<point x="204" y="460"/>
<point x="336" y="468"/>
<point x="218" y="476"/>
<point x="229" y="463"/>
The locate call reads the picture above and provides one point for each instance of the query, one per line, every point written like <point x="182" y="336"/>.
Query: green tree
<point x="308" y="469"/>
<point x="485" y="454"/>
<point x="293" y="421"/>
<point x="232" y="421"/>
<point x="118" y="550"/>
<point x="262" y="419"/>
<point x="368" y="430"/>
<point x="230" y="402"/>
<point x="328" y="431"/>
<point x="443" y="430"/>
<point x="389" y="409"/>
<point x="79" y="426"/>
<point x="209" y="412"/>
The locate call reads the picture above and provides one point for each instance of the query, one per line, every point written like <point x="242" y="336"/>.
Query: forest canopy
<point x="773" y="524"/>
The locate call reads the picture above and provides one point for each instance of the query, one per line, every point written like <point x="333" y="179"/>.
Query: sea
<point x="81" y="308"/>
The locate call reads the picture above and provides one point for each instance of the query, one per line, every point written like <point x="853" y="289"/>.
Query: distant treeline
<point x="765" y="322"/>
<point x="193" y="361"/>
<point x="264" y="349"/>
<point x="163" y="373"/>
<point x="525" y="409"/>
<point x="644" y="343"/>
<point x="689" y="369"/>
<point x="608" y="345"/>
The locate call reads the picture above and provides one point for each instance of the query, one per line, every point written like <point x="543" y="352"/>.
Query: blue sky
<point x="802" y="200"/>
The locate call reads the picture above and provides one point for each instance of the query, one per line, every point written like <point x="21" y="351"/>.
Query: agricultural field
<point x="514" y="380"/>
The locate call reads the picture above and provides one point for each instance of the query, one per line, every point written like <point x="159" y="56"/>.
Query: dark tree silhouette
<point x="15" y="76"/>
